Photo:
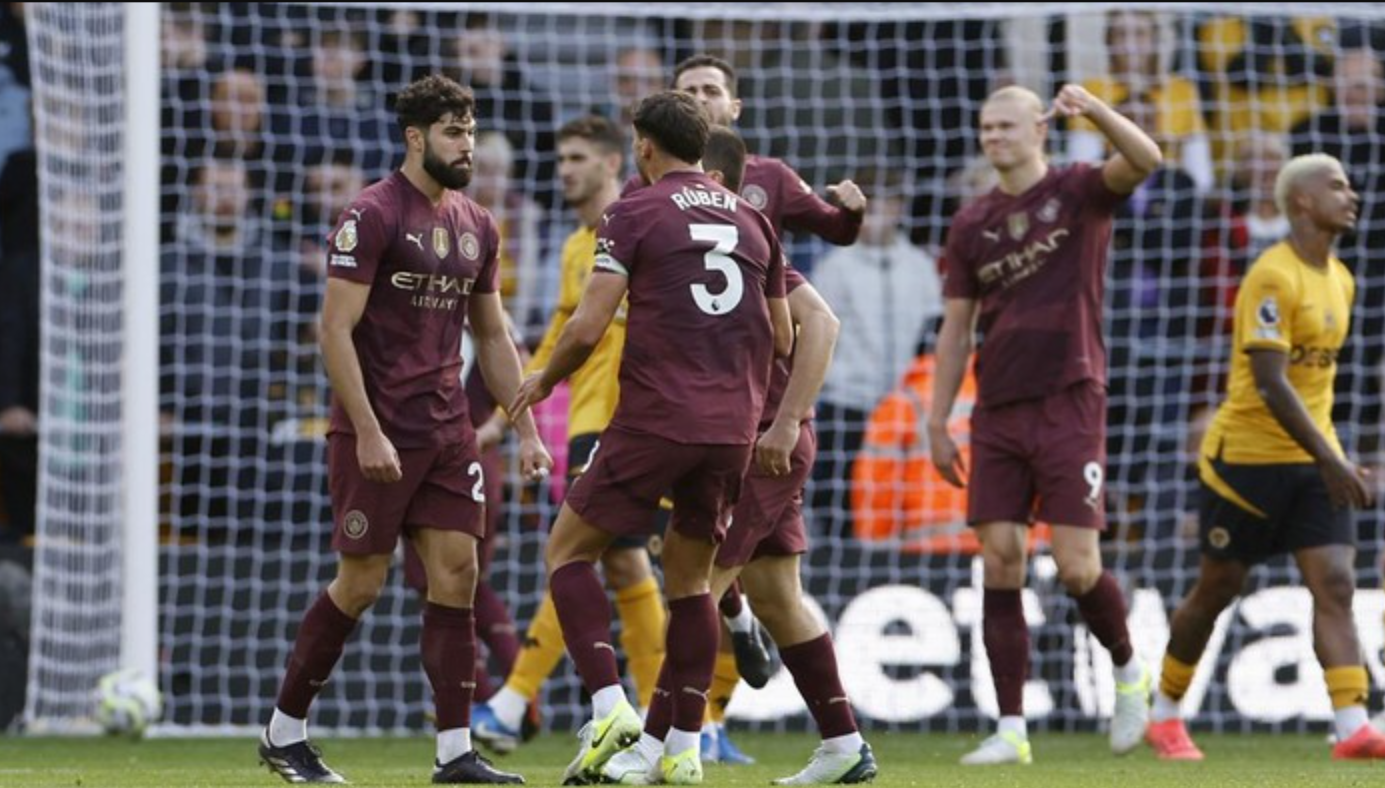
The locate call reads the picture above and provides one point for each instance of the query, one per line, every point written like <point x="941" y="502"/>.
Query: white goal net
<point x="274" y="115"/>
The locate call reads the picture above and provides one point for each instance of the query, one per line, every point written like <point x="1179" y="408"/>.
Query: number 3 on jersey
<point x="725" y="236"/>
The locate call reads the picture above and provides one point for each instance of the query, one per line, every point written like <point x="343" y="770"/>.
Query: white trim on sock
<point x="285" y="730"/>
<point x="453" y="744"/>
<point x="606" y="699"/>
<point x="844" y="745"/>
<point x="509" y="707"/>
<point x="743" y="622"/>
<point x="1349" y="720"/>
<point x="650" y="747"/>
<point x="678" y="742"/>
<point x="1165" y="708"/>
<point x="1015" y="725"/>
<point x="1130" y="672"/>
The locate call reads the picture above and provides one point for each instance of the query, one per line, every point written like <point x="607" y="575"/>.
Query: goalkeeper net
<point x="275" y="115"/>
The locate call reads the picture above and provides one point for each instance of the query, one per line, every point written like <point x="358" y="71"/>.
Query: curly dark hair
<point x="425" y="101"/>
<point x="676" y="123"/>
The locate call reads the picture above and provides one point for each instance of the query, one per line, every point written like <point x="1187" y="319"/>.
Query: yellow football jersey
<point x="1288" y="305"/>
<point x="595" y="388"/>
<point x="1178" y="109"/>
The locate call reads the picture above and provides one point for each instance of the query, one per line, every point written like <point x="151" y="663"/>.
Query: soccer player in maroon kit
<point x="777" y="191"/>
<point x="1025" y="264"/>
<point x="707" y="313"/>
<point x="769" y="536"/>
<point x="409" y="261"/>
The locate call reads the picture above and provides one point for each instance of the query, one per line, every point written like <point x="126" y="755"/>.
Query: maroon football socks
<point x="321" y="635"/>
<point x="813" y="665"/>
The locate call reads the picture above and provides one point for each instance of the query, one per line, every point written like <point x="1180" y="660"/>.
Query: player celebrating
<point x="1028" y="260"/>
<point x="410" y="260"/>
<point x="769" y="536"/>
<point x="706" y="313"/>
<point x="589" y="164"/>
<point x="1274" y="477"/>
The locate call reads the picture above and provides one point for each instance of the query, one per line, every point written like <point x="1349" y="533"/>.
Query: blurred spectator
<point x="522" y="285"/>
<point x="933" y="75"/>
<point x="220" y="117"/>
<point x="19" y="288"/>
<point x="1353" y="130"/>
<point x="886" y="292"/>
<point x="808" y="105"/>
<point x="224" y="328"/>
<point x="327" y="187"/>
<point x="1154" y="301"/>
<point x="1136" y="75"/>
<point x="637" y="72"/>
<point x="1254" y="168"/>
<point x="332" y="110"/>
<point x="183" y="37"/>
<point x="897" y="495"/>
<point x="479" y="56"/>
<point x="16" y="131"/>
<point x="1262" y="73"/>
<point x="19" y="389"/>
<point x="237" y="115"/>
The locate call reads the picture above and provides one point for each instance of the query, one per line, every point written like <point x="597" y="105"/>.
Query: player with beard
<point x="410" y="260"/>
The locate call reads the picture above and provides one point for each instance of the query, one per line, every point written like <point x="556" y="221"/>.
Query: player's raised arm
<point x="1137" y="154"/>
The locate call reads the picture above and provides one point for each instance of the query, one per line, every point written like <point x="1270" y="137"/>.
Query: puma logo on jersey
<point x="418" y="240"/>
<point x="354" y="212"/>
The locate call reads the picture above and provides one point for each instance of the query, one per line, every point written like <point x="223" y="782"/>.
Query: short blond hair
<point x="1021" y="95"/>
<point x="1295" y="170"/>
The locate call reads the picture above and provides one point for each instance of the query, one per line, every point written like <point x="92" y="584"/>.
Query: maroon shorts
<point x="629" y="472"/>
<point x="1041" y="459"/>
<point x="493" y="467"/>
<point x="442" y="488"/>
<point x="768" y="520"/>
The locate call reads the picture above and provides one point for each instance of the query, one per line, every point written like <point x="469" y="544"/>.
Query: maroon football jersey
<point x="1036" y="262"/>
<point x="422" y="262"/>
<point x="773" y="188"/>
<point x="783" y="367"/>
<point x="698" y="342"/>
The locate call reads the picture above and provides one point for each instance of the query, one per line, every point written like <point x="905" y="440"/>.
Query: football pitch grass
<point x="906" y="759"/>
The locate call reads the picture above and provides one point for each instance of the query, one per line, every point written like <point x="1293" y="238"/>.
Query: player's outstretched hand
<point x="849" y="196"/>
<point x="946" y="457"/>
<point x="1071" y="101"/>
<point x="774" y="449"/>
<point x="1372" y="484"/>
<point x="531" y="392"/>
<point x="378" y="458"/>
<point x="489" y="435"/>
<point x="534" y="460"/>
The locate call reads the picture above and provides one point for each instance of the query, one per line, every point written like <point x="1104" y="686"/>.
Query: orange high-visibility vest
<point x="897" y="496"/>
